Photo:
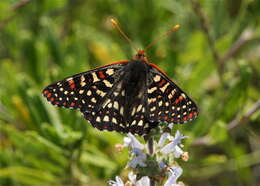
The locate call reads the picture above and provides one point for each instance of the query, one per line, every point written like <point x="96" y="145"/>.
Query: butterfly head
<point x="140" y="56"/>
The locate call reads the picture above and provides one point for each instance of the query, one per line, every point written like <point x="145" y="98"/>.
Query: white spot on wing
<point x="109" y="105"/>
<point x="139" y="108"/>
<point x="101" y="93"/>
<point x="114" y="120"/>
<point x="89" y="92"/>
<point x="164" y="87"/>
<point x="82" y="81"/>
<point x="110" y="71"/>
<point x="157" y="78"/>
<point x="116" y="105"/>
<point x="151" y="90"/>
<point x="183" y="95"/>
<point x="95" y="78"/>
<point x="107" y="83"/>
<point x="133" y="111"/>
<point x="122" y="110"/>
<point x="98" y="119"/>
<point x="93" y="100"/>
<point x="140" y="123"/>
<point x="106" y="118"/>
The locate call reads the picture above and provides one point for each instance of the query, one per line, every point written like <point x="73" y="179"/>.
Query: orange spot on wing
<point x="52" y="99"/>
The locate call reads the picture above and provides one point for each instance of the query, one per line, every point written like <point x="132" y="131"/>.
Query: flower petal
<point x="177" y="152"/>
<point x="162" y="139"/>
<point x="144" y="181"/>
<point x="118" y="182"/>
<point x="175" y="173"/>
<point x="134" y="142"/>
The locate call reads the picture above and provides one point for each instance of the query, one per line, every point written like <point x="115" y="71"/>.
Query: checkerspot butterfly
<point x="128" y="96"/>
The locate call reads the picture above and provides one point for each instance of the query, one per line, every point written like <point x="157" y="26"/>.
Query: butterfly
<point x="127" y="96"/>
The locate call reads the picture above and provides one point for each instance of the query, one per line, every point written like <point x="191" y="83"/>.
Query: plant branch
<point x="205" y="140"/>
<point x="236" y="122"/>
<point x="14" y="7"/>
<point x="246" y="36"/>
<point x="205" y="28"/>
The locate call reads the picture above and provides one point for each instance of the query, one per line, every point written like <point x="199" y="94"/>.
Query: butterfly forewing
<point x="83" y="91"/>
<point x="167" y="102"/>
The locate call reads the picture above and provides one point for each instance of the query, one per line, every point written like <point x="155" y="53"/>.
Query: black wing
<point x="166" y="101"/>
<point x="83" y="91"/>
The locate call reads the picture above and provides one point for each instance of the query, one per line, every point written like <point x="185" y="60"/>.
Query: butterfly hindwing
<point x="167" y="102"/>
<point x="109" y="112"/>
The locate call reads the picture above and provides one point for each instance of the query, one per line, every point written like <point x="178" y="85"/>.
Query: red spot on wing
<point x="191" y="115"/>
<point x="52" y="99"/>
<point x="71" y="84"/>
<point x="162" y="82"/>
<point x="101" y="75"/>
<point x="48" y="95"/>
<point x="72" y="104"/>
<point x="179" y="99"/>
<point x="45" y="92"/>
<point x="165" y="118"/>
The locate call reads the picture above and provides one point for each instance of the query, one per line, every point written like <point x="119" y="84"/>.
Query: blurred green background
<point x="214" y="57"/>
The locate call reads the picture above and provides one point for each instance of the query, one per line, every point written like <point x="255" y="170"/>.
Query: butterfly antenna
<point x="115" y="23"/>
<point x="173" y="29"/>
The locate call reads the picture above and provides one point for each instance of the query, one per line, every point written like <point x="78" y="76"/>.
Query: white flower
<point x="170" y="125"/>
<point x="175" y="173"/>
<point x="118" y="182"/>
<point x="144" y="181"/>
<point x="132" y="177"/>
<point x="162" y="165"/>
<point x="178" y="137"/>
<point x="171" y="147"/>
<point x="177" y="152"/>
<point x="162" y="139"/>
<point x="139" y="158"/>
<point x="131" y="141"/>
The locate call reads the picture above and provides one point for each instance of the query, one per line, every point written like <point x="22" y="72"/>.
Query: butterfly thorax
<point x="134" y="83"/>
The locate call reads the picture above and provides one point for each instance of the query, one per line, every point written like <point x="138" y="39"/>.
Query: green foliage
<point x="45" y="41"/>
